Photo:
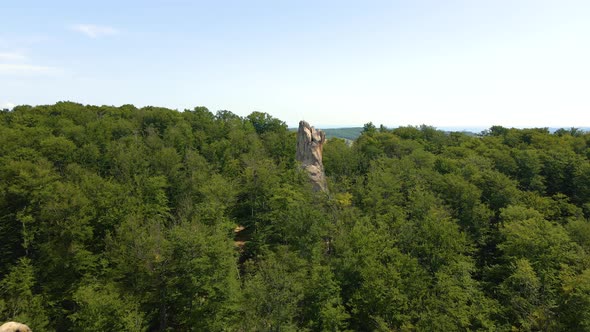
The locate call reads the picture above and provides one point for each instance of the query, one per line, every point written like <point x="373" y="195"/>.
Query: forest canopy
<point x="125" y="218"/>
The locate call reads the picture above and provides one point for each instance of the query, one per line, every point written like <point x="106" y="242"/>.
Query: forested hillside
<point x="345" y="133"/>
<point x="123" y="219"/>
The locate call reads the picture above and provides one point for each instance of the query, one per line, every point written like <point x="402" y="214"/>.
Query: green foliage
<point x="273" y="291"/>
<point x="18" y="302"/>
<point x="520" y="292"/>
<point x="101" y="308"/>
<point x="264" y="122"/>
<point x="340" y="160"/>
<point x="576" y="302"/>
<point x="202" y="280"/>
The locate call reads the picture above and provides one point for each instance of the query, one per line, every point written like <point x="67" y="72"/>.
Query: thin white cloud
<point x="7" y="105"/>
<point x="16" y="63"/>
<point x="95" y="31"/>
<point x="18" y="68"/>
<point x="11" y="56"/>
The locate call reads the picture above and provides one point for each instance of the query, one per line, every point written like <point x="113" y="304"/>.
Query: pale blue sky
<point x="338" y="63"/>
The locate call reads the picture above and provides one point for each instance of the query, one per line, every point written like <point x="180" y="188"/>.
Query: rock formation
<point x="14" y="327"/>
<point x="309" y="153"/>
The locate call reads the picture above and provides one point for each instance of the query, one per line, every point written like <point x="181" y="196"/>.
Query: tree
<point x="18" y="299"/>
<point x="264" y="122"/>
<point x="540" y="251"/>
<point x="273" y="291"/>
<point x="102" y="308"/>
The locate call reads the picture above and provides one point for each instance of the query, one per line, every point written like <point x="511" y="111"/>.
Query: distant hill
<point x="353" y="133"/>
<point x="345" y="133"/>
<point x="584" y="129"/>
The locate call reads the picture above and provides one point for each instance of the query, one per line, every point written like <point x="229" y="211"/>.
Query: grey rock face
<point x="309" y="153"/>
<point x="14" y="327"/>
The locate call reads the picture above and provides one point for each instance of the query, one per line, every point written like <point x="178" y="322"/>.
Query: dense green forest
<point x="123" y="219"/>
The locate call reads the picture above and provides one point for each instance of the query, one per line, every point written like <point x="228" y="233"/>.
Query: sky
<point x="444" y="63"/>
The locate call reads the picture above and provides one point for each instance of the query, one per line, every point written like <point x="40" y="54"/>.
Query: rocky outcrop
<point x="309" y="153"/>
<point x="14" y="327"/>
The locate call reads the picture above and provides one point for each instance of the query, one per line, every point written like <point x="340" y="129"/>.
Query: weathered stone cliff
<point x="14" y="327"/>
<point x="309" y="153"/>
